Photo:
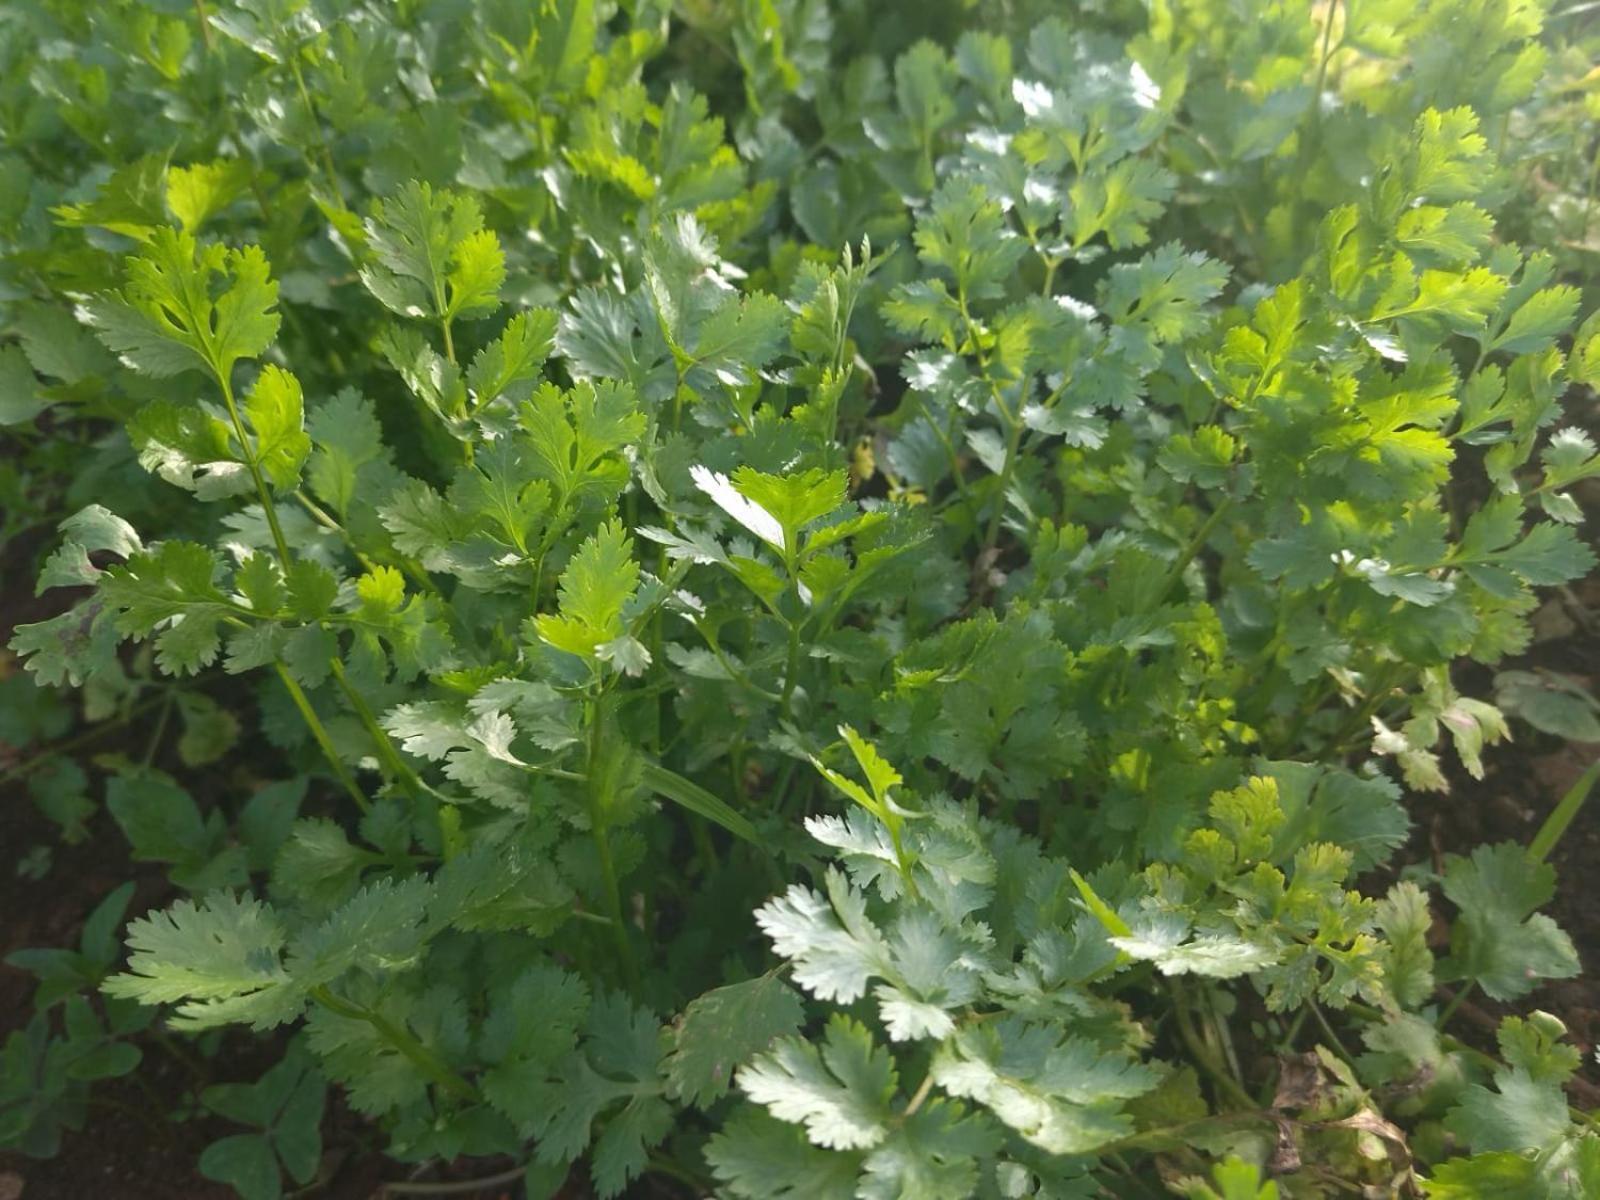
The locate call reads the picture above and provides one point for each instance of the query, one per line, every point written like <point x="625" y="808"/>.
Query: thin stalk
<point x="1203" y="1054"/>
<point x="450" y="348"/>
<point x="205" y="24"/>
<point x="316" y="126"/>
<point x="1328" y="49"/>
<point x="1362" y="717"/>
<point x="320" y="733"/>
<point x="398" y="767"/>
<point x="28" y="765"/>
<point x="791" y="670"/>
<point x="263" y="492"/>
<point x="459" y="1187"/>
<point x="1456" y="1002"/>
<point x="599" y="820"/>
<point x="1322" y="1023"/>
<point x="160" y="731"/>
<point x="1013" y="443"/>
<point x="919" y="1096"/>
<point x="426" y="1062"/>
<point x="1192" y="548"/>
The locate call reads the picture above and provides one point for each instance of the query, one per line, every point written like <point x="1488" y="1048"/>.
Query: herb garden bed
<point x="799" y="600"/>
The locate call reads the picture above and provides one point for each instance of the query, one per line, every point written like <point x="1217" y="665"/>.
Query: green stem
<point x="919" y="1096"/>
<point x="252" y="463"/>
<point x="1203" y="1054"/>
<point x="1322" y="1023"/>
<point x="599" y="821"/>
<point x="386" y="748"/>
<point x="426" y="1062"/>
<point x="460" y="1187"/>
<point x="320" y="733"/>
<point x="205" y="24"/>
<point x="28" y="765"/>
<point x="1456" y="1002"/>
<point x="160" y="731"/>
<point x="791" y="670"/>
<point x="316" y="126"/>
<point x="1192" y="548"/>
<point x="1013" y="443"/>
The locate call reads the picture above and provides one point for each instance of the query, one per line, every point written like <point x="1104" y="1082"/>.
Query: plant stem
<point x="320" y="733"/>
<point x="791" y="670"/>
<point x="398" y="767"/>
<point x="460" y="1187"/>
<point x="599" y="820"/>
<point x="1013" y="443"/>
<point x="316" y="125"/>
<point x="428" y="1063"/>
<point x="160" y="731"/>
<point x="28" y="765"/>
<point x="919" y="1096"/>
<point x="1456" y="1002"/>
<point x="251" y="462"/>
<point x="1192" y="548"/>
<point x="205" y="24"/>
<point x="1203" y="1054"/>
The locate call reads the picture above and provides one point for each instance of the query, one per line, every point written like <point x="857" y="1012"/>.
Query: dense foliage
<point x="844" y="597"/>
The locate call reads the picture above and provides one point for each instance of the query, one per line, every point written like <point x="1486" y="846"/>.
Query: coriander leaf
<point x="218" y="959"/>
<point x="599" y="581"/>
<point x="840" y="1093"/>
<point x="758" y="1157"/>
<point x="188" y="306"/>
<point x="276" y="410"/>
<point x="1499" y="940"/>
<point x="723" y="1028"/>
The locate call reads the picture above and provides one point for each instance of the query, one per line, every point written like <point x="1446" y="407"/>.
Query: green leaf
<point x="722" y="1029"/>
<point x="966" y="234"/>
<point x="171" y="586"/>
<point x="697" y="800"/>
<point x="188" y="306"/>
<point x="1499" y="940"/>
<point x="433" y="256"/>
<point x="217" y="959"/>
<point x="246" y="1162"/>
<point x="196" y="194"/>
<point x="276" y="411"/>
<point x="1551" y="703"/>
<point x="758" y="1157"/>
<point x="20" y="397"/>
<point x="59" y="347"/>
<point x="1064" y="1096"/>
<point x="840" y="1093"/>
<point x="1405" y="919"/>
<point x="506" y="365"/>
<point x="576" y="437"/>
<point x="160" y="820"/>
<point x="1538" y="321"/>
<point x="836" y="949"/>
<point x="597" y="584"/>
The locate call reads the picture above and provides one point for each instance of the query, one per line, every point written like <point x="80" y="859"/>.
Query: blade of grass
<point x="697" y="800"/>
<point x="1555" y="825"/>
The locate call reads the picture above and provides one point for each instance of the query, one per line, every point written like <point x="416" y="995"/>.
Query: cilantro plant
<point x="799" y="599"/>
